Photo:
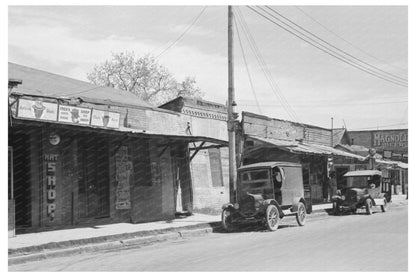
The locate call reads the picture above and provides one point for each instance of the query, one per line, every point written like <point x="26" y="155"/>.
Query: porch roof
<point x="305" y="148"/>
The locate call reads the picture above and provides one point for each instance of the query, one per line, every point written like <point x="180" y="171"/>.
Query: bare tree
<point x="142" y="76"/>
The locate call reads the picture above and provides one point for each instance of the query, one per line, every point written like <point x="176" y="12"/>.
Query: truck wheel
<point x="368" y="206"/>
<point x="301" y="214"/>
<point x="384" y="206"/>
<point x="335" y="209"/>
<point x="272" y="218"/>
<point x="226" y="220"/>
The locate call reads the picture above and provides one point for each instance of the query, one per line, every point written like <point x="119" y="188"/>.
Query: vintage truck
<point x="266" y="192"/>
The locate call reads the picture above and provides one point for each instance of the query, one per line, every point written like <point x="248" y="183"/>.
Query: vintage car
<point x="266" y="192"/>
<point x="363" y="190"/>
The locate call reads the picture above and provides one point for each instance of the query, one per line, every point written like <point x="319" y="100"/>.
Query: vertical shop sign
<point x="123" y="173"/>
<point x="51" y="184"/>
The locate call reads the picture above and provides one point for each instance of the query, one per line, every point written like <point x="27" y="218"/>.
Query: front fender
<point x="228" y="205"/>
<point x="268" y="202"/>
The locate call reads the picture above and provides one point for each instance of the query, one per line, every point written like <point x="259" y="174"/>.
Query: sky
<point x="70" y="40"/>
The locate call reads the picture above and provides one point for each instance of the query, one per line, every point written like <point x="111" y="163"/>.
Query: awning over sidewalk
<point x="305" y="148"/>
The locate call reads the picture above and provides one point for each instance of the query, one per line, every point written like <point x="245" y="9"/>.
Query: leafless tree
<point x="142" y="76"/>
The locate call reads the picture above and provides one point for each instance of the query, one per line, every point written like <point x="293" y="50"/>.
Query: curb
<point x="124" y="241"/>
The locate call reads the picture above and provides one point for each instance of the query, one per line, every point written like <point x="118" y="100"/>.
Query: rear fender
<point x="295" y="202"/>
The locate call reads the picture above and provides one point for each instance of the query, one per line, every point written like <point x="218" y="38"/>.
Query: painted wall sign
<point x="390" y="139"/>
<point x="51" y="184"/>
<point x="124" y="169"/>
<point x="105" y="119"/>
<point x="37" y="109"/>
<point x="74" y="115"/>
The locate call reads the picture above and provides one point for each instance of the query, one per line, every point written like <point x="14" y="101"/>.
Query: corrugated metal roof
<point x="362" y="173"/>
<point x="305" y="148"/>
<point x="42" y="83"/>
<point x="269" y="164"/>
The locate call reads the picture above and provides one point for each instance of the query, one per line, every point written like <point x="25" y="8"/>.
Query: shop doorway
<point x="94" y="195"/>
<point x="19" y="173"/>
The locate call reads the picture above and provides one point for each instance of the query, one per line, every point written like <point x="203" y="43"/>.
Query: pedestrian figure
<point x="332" y="184"/>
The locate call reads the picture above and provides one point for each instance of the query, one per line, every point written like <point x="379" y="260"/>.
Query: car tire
<point x="369" y="206"/>
<point x="226" y="220"/>
<point x="335" y="209"/>
<point x="384" y="206"/>
<point x="272" y="218"/>
<point x="301" y="214"/>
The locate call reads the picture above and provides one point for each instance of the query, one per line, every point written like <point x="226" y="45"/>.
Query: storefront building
<point x="85" y="160"/>
<point x="268" y="139"/>
<point x="208" y="161"/>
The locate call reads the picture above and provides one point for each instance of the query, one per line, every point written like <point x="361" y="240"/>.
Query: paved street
<point x="344" y="243"/>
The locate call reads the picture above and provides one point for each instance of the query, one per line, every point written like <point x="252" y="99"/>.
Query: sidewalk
<point x="42" y="245"/>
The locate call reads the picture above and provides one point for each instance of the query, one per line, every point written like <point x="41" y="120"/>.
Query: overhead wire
<point x="183" y="33"/>
<point x="346" y="41"/>
<point x="247" y="68"/>
<point x="342" y="51"/>
<point x="323" y="48"/>
<point x="269" y="77"/>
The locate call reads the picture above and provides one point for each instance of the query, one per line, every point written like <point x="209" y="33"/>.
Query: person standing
<point x="332" y="184"/>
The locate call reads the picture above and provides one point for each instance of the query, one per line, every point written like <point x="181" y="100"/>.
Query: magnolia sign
<point x="390" y="139"/>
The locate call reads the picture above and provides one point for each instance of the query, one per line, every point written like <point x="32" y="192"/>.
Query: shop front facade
<point x="268" y="139"/>
<point x="84" y="161"/>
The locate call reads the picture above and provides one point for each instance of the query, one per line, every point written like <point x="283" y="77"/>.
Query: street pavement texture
<point x="335" y="243"/>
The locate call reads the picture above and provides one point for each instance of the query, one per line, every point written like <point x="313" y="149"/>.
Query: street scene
<point x="208" y="138"/>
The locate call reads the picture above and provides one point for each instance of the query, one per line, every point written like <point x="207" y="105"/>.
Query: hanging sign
<point x="105" y="119"/>
<point x="74" y="115"/>
<point x="37" y="109"/>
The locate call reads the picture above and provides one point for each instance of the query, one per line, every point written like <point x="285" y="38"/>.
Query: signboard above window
<point x="37" y="109"/>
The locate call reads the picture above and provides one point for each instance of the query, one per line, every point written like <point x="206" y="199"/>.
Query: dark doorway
<point x="19" y="140"/>
<point x="341" y="180"/>
<point x="94" y="182"/>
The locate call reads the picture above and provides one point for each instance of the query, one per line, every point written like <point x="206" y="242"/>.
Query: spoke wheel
<point x="384" y="206"/>
<point x="226" y="220"/>
<point x="369" y="206"/>
<point x="301" y="214"/>
<point x="272" y="218"/>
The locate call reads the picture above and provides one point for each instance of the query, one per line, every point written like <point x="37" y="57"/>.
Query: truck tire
<point x="301" y="214"/>
<point x="272" y="218"/>
<point x="226" y="222"/>
<point x="369" y="206"/>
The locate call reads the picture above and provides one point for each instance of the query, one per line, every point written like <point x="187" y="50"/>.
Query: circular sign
<point x="54" y="138"/>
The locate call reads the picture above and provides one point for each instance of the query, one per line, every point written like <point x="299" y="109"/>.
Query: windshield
<point x="255" y="182"/>
<point x="363" y="181"/>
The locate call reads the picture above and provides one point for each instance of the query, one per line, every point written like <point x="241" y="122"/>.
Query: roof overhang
<point x="304" y="148"/>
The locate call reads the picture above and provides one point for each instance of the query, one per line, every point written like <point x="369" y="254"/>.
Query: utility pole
<point x="332" y="132"/>
<point x="232" y="115"/>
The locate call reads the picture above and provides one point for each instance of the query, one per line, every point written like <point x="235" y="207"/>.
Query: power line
<point x="183" y="34"/>
<point x="248" y="72"/>
<point x="328" y="51"/>
<point x="273" y="85"/>
<point x="346" y="41"/>
<point x="331" y="52"/>
<point x="333" y="46"/>
<point x="335" y="104"/>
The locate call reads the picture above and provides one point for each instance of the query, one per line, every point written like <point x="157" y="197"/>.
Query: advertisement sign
<point x="105" y="119"/>
<point x="74" y="115"/>
<point x="37" y="109"/>
<point x="390" y="140"/>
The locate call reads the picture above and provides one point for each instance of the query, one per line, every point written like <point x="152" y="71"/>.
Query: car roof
<point x="358" y="173"/>
<point x="269" y="165"/>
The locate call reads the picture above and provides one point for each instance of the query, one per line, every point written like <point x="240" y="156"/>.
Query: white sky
<point x="69" y="40"/>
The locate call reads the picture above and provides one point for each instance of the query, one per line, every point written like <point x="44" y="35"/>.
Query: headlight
<point x="236" y="206"/>
<point x="343" y="197"/>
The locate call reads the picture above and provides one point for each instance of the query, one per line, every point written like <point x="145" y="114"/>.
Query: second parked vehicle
<point x="363" y="191"/>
